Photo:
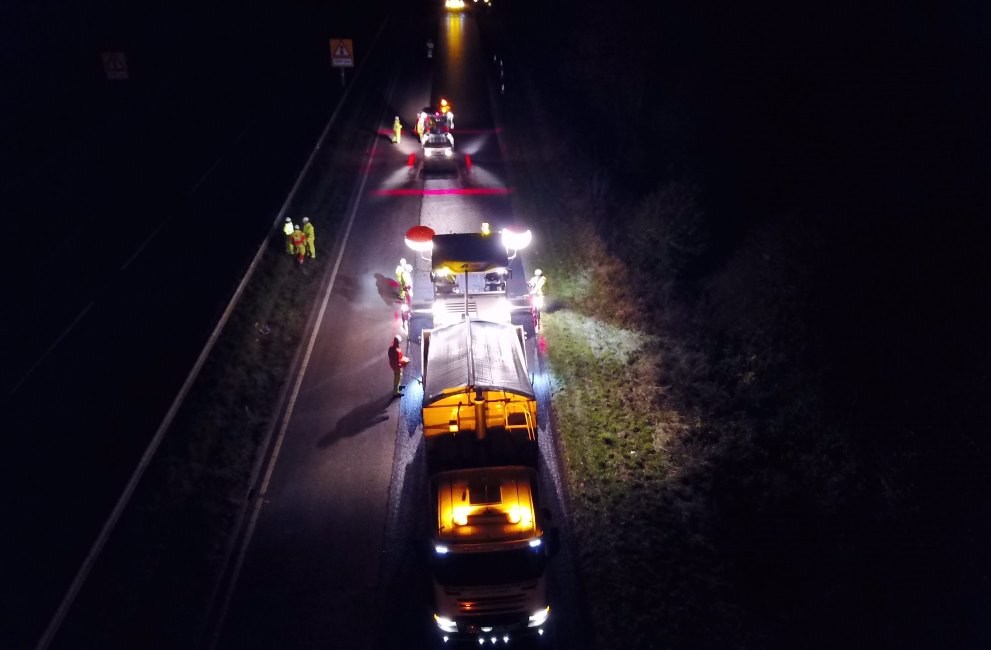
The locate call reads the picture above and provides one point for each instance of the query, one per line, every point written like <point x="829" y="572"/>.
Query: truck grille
<point x="493" y="605"/>
<point x="458" y="307"/>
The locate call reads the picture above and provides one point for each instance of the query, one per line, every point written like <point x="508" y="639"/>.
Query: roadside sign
<point x="115" y="66"/>
<point x="341" y="53"/>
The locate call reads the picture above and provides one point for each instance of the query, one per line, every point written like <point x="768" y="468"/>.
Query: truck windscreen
<point x="473" y="569"/>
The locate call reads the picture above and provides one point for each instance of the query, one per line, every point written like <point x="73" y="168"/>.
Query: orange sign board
<point x="341" y="53"/>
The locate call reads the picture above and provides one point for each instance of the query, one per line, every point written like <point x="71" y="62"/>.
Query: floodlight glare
<point x="516" y="240"/>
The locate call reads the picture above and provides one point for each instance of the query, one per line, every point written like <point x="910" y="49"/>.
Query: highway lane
<point x="331" y="559"/>
<point x="77" y="427"/>
<point x="140" y="251"/>
<point x="310" y="573"/>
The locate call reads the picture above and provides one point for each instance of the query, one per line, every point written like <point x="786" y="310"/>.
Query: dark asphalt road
<point x="124" y="247"/>
<point x="147" y="222"/>
<point x="332" y="559"/>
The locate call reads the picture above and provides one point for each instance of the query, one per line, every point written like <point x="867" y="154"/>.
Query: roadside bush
<point x="662" y="240"/>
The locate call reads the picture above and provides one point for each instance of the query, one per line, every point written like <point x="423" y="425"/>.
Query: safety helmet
<point x="402" y="262"/>
<point x="306" y="220"/>
<point x="288" y="219"/>
<point x="397" y="117"/>
<point x="538" y="272"/>
<point x="397" y="339"/>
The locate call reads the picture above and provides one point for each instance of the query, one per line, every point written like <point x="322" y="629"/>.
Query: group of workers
<point x="440" y="121"/>
<point x="300" y="238"/>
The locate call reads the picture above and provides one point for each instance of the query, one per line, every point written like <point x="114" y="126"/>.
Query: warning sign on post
<point x="341" y="53"/>
<point x="115" y="66"/>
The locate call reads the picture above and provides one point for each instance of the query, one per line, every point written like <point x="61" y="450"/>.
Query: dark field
<point x="780" y="208"/>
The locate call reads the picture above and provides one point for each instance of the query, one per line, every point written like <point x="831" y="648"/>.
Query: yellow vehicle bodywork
<point x="475" y="381"/>
<point x="481" y="507"/>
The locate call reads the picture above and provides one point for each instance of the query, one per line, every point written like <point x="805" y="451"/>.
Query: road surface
<point x="122" y="251"/>
<point x="331" y="557"/>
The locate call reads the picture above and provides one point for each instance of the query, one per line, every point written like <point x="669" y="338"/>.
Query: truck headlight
<point x="539" y="617"/>
<point x="446" y="625"/>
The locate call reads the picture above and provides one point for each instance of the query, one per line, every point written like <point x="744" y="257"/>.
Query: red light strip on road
<point x="470" y="191"/>
<point x="388" y="133"/>
<point x="476" y="131"/>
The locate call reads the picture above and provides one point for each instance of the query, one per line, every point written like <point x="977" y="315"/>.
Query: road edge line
<point x="258" y="497"/>
<point x="84" y="570"/>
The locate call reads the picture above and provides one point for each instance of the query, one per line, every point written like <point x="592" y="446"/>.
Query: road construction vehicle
<point x="479" y="406"/>
<point x="489" y="555"/>
<point x="488" y="548"/>
<point x="469" y="272"/>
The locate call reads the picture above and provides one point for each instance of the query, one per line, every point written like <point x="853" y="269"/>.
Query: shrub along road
<point x="767" y="370"/>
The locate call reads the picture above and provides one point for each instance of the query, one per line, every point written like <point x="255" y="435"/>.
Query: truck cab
<point x="489" y="555"/>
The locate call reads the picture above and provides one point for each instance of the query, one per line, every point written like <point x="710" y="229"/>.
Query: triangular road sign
<point x="341" y="53"/>
<point x="115" y="65"/>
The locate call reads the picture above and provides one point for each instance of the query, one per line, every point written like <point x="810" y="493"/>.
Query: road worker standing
<point x="538" y="285"/>
<point x="421" y="125"/>
<point x="397" y="128"/>
<point x="310" y="238"/>
<point x="397" y="361"/>
<point x="287" y="229"/>
<point x="298" y="240"/>
<point x="448" y="112"/>
<point x="404" y="277"/>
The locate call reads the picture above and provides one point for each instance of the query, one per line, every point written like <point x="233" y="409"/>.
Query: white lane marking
<point x="144" y="244"/>
<point x="283" y="427"/>
<point x="125" y="497"/>
<point x="287" y="416"/>
<point x="65" y="332"/>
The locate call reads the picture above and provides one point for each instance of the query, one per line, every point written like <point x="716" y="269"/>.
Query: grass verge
<point x="163" y="561"/>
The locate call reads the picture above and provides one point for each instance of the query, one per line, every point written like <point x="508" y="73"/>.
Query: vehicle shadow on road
<point x="388" y="289"/>
<point x="357" y="420"/>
